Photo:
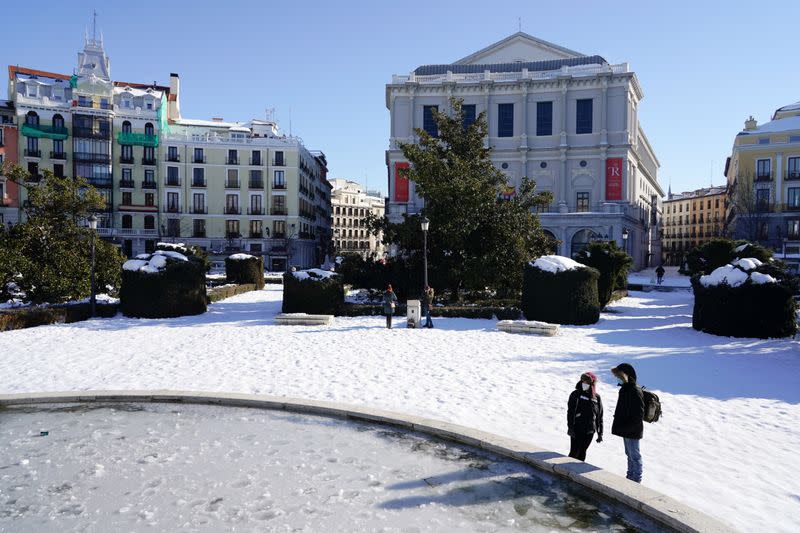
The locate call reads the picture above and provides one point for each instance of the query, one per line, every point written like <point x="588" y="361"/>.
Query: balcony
<point x="39" y="131"/>
<point x="231" y="184"/>
<point x="256" y="184"/>
<point x="232" y="235"/>
<point x="173" y="158"/>
<point x="91" y="104"/>
<point x="102" y="183"/>
<point x="33" y="153"/>
<point x="34" y="178"/>
<point x="278" y="235"/>
<point x="126" y="184"/>
<point x="197" y="182"/>
<point x="764" y="176"/>
<point x="791" y="207"/>
<point x="128" y="138"/>
<point x="89" y="157"/>
<point x="199" y="210"/>
<point x="149" y="161"/>
<point x="91" y="133"/>
<point x="151" y="184"/>
<point x="255" y="161"/>
<point x="232" y="210"/>
<point x="126" y="160"/>
<point x="173" y="209"/>
<point x="763" y="207"/>
<point x="173" y="182"/>
<point x="232" y="160"/>
<point x="278" y="162"/>
<point x="278" y="211"/>
<point x="793" y="175"/>
<point x="279" y="186"/>
<point x="130" y="231"/>
<point x="255" y="210"/>
<point x="62" y="156"/>
<point x="199" y="159"/>
<point x="256" y="235"/>
<point x="199" y="234"/>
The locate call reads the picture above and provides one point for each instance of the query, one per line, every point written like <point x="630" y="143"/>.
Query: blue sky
<point x="704" y="66"/>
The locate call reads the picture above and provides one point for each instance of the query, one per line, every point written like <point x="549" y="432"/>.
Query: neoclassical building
<point x="691" y="219"/>
<point x="350" y="205"/>
<point x="566" y="119"/>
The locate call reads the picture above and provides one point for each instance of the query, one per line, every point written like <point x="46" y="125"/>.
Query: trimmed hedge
<point x="750" y="310"/>
<point x="178" y="290"/>
<point x="29" y="317"/>
<point x="568" y="297"/>
<point x="220" y="293"/>
<point x="501" y="313"/>
<point x="317" y="296"/>
<point x="612" y="263"/>
<point x="245" y="271"/>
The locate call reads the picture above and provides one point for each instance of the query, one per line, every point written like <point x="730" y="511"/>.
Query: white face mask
<point x="585" y="386"/>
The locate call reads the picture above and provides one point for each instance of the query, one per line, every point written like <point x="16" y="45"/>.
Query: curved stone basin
<point x="107" y="467"/>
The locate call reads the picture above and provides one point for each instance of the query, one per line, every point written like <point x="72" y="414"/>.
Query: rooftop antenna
<point x="290" y="121"/>
<point x="711" y="175"/>
<point x="519" y="23"/>
<point x="94" y="25"/>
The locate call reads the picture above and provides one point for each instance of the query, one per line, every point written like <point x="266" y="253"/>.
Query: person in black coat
<point x="629" y="418"/>
<point x="584" y="416"/>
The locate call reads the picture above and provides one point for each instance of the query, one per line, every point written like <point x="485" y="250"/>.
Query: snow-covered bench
<point x="530" y="327"/>
<point x="302" y="319"/>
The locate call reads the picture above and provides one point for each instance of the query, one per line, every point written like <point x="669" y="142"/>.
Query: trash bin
<point x="413" y="313"/>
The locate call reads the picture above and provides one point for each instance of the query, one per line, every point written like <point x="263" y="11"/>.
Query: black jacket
<point x="584" y="413"/>
<point x="629" y="414"/>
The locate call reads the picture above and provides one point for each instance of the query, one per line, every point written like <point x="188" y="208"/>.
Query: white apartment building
<point x="350" y="204"/>
<point x="565" y="119"/>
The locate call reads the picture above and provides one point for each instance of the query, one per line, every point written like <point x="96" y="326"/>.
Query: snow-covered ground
<point x="191" y="468"/>
<point x="727" y="443"/>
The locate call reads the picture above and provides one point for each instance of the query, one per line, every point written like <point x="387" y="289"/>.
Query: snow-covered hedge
<point x="244" y="269"/>
<point x="559" y="290"/>
<point x="167" y="283"/>
<point x="744" y="299"/>
<point x="312" y="291"/>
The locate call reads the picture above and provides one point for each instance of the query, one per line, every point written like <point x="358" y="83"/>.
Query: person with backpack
<point x="660" y="273"/>
<point x="584" y="416"/>
<point x="629" y="418"/>
<point x="389" y="303"/>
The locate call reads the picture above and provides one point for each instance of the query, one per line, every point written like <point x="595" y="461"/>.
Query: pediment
<point x="519" y="47"/>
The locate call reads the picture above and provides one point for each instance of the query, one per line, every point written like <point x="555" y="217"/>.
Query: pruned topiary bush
<point x="312" y="291"/>
<point x="612" y="263"/>
<point x="744" y="299"/>
<point x="167" y="283"/>
<point x="244" y="269"/>
<point x="715" y="253"/>
<point x="559" y="290"/>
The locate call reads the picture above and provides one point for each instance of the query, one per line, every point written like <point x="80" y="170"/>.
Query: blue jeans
<point x="428" y="321"/>
<point x="634" y="460"/>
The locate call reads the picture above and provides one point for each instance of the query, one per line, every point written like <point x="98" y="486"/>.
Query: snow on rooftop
<point x="776" y="126"/>
<point x="138" y="92"/>
<point x="556" y="263"/>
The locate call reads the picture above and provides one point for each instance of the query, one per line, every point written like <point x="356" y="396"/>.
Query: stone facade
<point x="567" y="120"/>
<point x="691" y="219"/>
<point x="350" y="205"/>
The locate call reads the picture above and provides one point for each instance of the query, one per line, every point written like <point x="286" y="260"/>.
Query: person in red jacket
<point x="584" y="416"/>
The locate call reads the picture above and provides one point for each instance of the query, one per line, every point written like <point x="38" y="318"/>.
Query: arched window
<point x="126" y="127"/>
<point x="148" y="129"/>
<point x="149" y="222"/>
<point x="581" y="240"/>
<point x="127" y="221"/>
<point x="58" y="121"/>
<point x="32" y="118"/>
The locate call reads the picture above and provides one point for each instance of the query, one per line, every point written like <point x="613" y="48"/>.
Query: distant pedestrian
<point x="584" y="416"/>
<point x="629" y="418"/>
<point x="389" y="303"/>
<point x="427" y="302"/>
<point x="660" y="273"/>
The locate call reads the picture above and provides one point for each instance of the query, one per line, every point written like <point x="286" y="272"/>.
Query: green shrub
<point x="220" y="293"/>
<point x="715" y="253"/>
<point x="404" y="274"/>
<point x="178" y="289"/>
<point x="568" y="297"/>
<point x="314" y="295"/>
<point x="245" y="271"/>
<point x="750" y="310"/>
<point x="29" y="317"/>
<point x="612" y="263"/>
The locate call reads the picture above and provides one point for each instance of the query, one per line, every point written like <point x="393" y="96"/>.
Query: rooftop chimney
<point x="174" y="107"/>
<point x="750" y="124"/>
<point x="218" y="119"/>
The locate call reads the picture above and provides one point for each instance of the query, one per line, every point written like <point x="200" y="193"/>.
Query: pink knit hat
<point x="593" y="379"/>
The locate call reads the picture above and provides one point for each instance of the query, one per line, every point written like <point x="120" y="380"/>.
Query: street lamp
<point x="93" y="298"/>
<point x="625" y="239"/>
<point x="425" y="223"/>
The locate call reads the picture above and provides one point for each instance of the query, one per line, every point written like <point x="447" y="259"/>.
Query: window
<point x="544" y="118"/>
<point x="172" y="202"/>
<point x="127" y="221"/>
<point x="709" y="204"/>
<point x="762" y="199"/>
<point x="172" y="154"/>
<point x="255" y="229"/>
<point x="793" y="198"/>
<point x="279" y="229"/>
<point x="256" y="204"/>
<point x="58" y="169"/>
<point x="149" y="130"/>
<point x="32" y="119"/>
<point x="149" y="155"/>
<point x="198" y="177"/>
<point x="127" y="199"/>
<point x="279" y="158"/>
<point x="126" y="127"/>
<point x="793" y="168"/>
<point x="583" y="116"/>
<point x="173" y="227"/>
<point x="279" y="182"/>
<point x="58" y="121"/>
<point x="233" y="157"/>
<point x="468" y="111"/>
<point x="149" y="201"/>
<point x="279" y="205"/>
<point x="58" y="148"/>
<point x="232" y="204"/>
<point x="256" y="179"/>
<point x="199" y="227"/>
<point x="149" y="176"/>
<point x="33" y="147"/>
<point x="763" y="230"/>
<point x="428" y="121"/>
<point x="127" y="154"/>
<point x="150" y="222"/>
<point x="793" y="228"/>
<point x="256" y="158"/>
<point x="763" y="170"/>
<point x="233" y="178"/>
<point x="198" y="203"/>
<point x="198" y="156"/>
<point x="582" y="204"/>
<point x="172" y="176"/>
<point x="232" y="228"/>
<point x="33" y="169"/>
<point x="505" y="120"/>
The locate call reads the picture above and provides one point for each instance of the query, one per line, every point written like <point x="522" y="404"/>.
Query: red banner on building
<point x="614" y="178"/>
<point x="400" y="183"/>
